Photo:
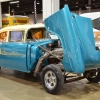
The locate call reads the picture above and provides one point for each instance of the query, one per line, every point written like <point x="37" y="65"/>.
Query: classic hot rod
<point x="76" y="54"/>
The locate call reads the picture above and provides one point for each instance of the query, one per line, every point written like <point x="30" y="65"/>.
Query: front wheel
<point x="52" y="78"/>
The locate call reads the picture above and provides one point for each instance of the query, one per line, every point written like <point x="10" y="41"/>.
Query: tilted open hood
<point x="76" y="35"/>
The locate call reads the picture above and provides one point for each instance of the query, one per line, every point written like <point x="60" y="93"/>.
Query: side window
<point x="16" y="36"/>
<point x="35" y="34"/>
<point x="3" y="36"/>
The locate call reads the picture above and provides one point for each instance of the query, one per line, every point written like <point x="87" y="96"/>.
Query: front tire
<point x="52" y="78"/>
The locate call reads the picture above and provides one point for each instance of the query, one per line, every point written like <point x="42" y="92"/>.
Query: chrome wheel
<point x="50" y="80"/>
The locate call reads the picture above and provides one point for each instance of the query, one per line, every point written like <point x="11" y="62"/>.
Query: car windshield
<point x="39" y="34"/>
<point x="51" y="35"/>
<point x="36" y="34"/>
<point x="96" y="23"/>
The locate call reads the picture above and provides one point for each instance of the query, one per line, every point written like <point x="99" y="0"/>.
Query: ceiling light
<point x="14" y="2"/>
<point x="32" y="12"/>
<point x="37" y="3"/>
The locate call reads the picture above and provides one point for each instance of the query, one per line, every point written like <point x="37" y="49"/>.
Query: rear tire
<point x="94" y="76"/>
<point x="52" y="78"/>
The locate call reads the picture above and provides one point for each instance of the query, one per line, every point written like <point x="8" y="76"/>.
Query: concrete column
<point x="0" y="16"/>
<point x="50" y="7"/>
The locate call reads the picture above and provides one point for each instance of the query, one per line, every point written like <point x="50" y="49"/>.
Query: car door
<point x="14" y="52"/>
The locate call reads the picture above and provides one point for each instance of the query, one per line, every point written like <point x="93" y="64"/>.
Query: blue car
<point x="26" y="48"/>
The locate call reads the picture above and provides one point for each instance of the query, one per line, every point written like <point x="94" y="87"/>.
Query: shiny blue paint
<point x="21" y="56"/>
<point x="13" y="56"/>
<point x="76" y="35"/>
<point x="35" y="52"/>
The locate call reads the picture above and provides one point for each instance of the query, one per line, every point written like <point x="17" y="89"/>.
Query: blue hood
<point x="76" y="35"/>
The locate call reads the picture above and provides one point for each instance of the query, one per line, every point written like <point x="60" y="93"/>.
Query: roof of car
<point x="92" y="15"/>
<point x="28" y="26"/>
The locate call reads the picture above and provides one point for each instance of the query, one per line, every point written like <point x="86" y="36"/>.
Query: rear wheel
<point x="52" y="78"/>
<point x="93" y="75"/>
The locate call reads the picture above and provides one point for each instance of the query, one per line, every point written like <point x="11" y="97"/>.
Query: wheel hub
<point x="50" y="80"/>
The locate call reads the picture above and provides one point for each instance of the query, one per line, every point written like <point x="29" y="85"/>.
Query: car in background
<point x="95" y="17"/>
